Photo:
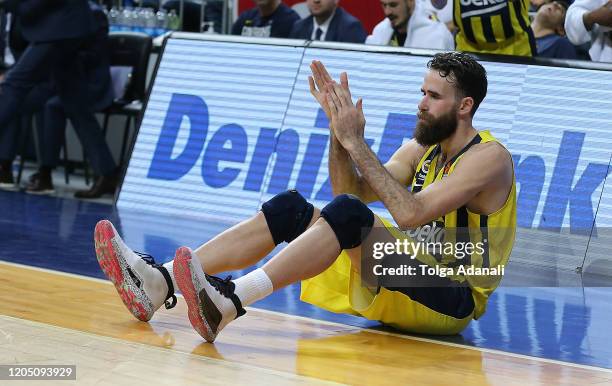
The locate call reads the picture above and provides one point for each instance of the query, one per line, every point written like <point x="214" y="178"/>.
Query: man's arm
<point x="410" y="210"/>
<point x="601" y="16"/>
<point x="343" y="175"/>
<point x="582" y="15"/>
<point x="345" y="178"/>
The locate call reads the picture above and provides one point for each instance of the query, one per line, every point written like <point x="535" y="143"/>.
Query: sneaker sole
<point x="184" y="274"/>
<point x="136" y="301"/>
<point x="8" y="187"/>
<point x="40" y="192"/>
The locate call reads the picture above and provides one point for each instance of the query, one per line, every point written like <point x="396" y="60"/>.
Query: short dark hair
<point x="464" y="72"/>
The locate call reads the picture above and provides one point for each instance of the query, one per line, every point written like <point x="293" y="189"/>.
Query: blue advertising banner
<point x="229" y="124"/>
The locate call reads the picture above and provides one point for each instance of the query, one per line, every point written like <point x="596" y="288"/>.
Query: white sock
<point x="253" y="286"/>
<point x="169" y="266"/>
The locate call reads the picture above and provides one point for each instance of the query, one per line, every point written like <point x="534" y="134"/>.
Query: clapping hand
<point x="347" y="121"/>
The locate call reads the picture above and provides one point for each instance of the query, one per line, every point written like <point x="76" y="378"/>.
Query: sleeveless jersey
<point x="494" y="27"/>
<point x="495" y="232"/>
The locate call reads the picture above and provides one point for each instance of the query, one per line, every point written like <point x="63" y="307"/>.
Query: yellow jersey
<point x="494" y="27"/>
<point x="495" y="232"/>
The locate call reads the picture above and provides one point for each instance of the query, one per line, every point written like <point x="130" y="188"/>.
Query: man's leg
<point x="8" y="146"/>
<point x="94" y="144"/>
<point x="33" y="67"/>
<point x="51" y="128"/>
<point x="144" y="285"/>
<point x="213" y="302"/>
<point x="9" y="137"/>
<point x="282" y="219"/>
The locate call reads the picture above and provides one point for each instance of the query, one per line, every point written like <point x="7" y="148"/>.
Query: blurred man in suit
<point x="330" y="23"/>
<point x="57" y="31"/>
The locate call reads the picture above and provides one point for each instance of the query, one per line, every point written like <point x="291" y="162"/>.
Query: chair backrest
<point x="131" y="49"/>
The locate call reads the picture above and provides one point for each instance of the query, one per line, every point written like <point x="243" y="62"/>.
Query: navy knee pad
<point x="288" y="215"/>
<point x="350" y="219"/>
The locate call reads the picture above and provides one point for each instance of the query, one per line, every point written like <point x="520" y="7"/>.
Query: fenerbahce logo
<point x="429" y="233"/>
<point x="422" y="174"/>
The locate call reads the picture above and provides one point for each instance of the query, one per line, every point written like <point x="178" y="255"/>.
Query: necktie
<point x="318" y="33"/>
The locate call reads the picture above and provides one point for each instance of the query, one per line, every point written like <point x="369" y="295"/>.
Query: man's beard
<point x="431" y="131"/>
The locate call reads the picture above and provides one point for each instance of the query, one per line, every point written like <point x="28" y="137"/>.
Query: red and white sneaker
<point x="211" y="301"/>
<point x="142" y="284"/>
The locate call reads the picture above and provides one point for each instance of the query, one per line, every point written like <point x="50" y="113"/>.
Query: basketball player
<point x="459" y="177"/>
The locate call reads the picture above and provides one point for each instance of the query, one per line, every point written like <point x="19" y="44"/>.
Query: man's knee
<point x="288" y="215"/>
<point x="350" y="219"/>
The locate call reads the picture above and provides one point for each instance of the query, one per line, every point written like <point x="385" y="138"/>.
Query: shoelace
<point x="170" y="301"/>
<point x="224" y="286"/>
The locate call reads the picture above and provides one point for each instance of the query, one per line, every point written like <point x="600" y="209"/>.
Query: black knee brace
<point x="288" y="215"/>
<point x="350" y="219"/>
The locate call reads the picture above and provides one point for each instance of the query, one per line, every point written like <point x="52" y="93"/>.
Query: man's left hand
<point x="347" y="119"/>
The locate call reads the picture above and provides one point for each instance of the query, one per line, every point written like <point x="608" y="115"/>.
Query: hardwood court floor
<point x="56" y="318"/>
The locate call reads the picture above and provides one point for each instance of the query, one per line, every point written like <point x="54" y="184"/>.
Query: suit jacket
<point x="343" y="27"/>
<point x="52" y="20"/>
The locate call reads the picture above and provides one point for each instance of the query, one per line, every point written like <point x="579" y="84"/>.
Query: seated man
<point x="409" y="24"/>
<point x="271" y="18"/>
<point x="93" y="70"/>
<point x="590" y="21"/>
<point x="450" y="189"/>
<point x="330" y="23"/>
<point x="549" y="32"/>
<point x="57" y="32"/>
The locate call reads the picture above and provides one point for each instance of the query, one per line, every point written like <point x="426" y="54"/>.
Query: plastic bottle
<point x="137" y="24"/>
<point x="161" y="25"/>
<point x="150" y="22"/>
<point x="113" y="19"/>
<point x="125" y="20"/>
<point x="174" y="21"/>
<point x="209" y="27"/>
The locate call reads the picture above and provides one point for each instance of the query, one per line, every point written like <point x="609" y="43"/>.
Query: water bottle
<point x="174" y="21"/>
<point x="161" y="25"/>
<point x="125" y="20"/>
<point x="137" y="24"/>
<point x="150" y="22"/>
<point x="209" y="27"/>
<point x="113" y="19"/>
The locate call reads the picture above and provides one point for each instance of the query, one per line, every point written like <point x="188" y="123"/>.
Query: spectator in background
<point x="56" y="31"/>
<point x="550" y="34"/>
<point x="329" y="22"/>
<point x="93" y="65"/>
<point x="591" y="21"/>
<point x="31" y="108"/>
<point x="500" y="27"/>
<point x="271" y="18"/>
<point x="534" y="5"/>
<point x="408" y="24"/>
